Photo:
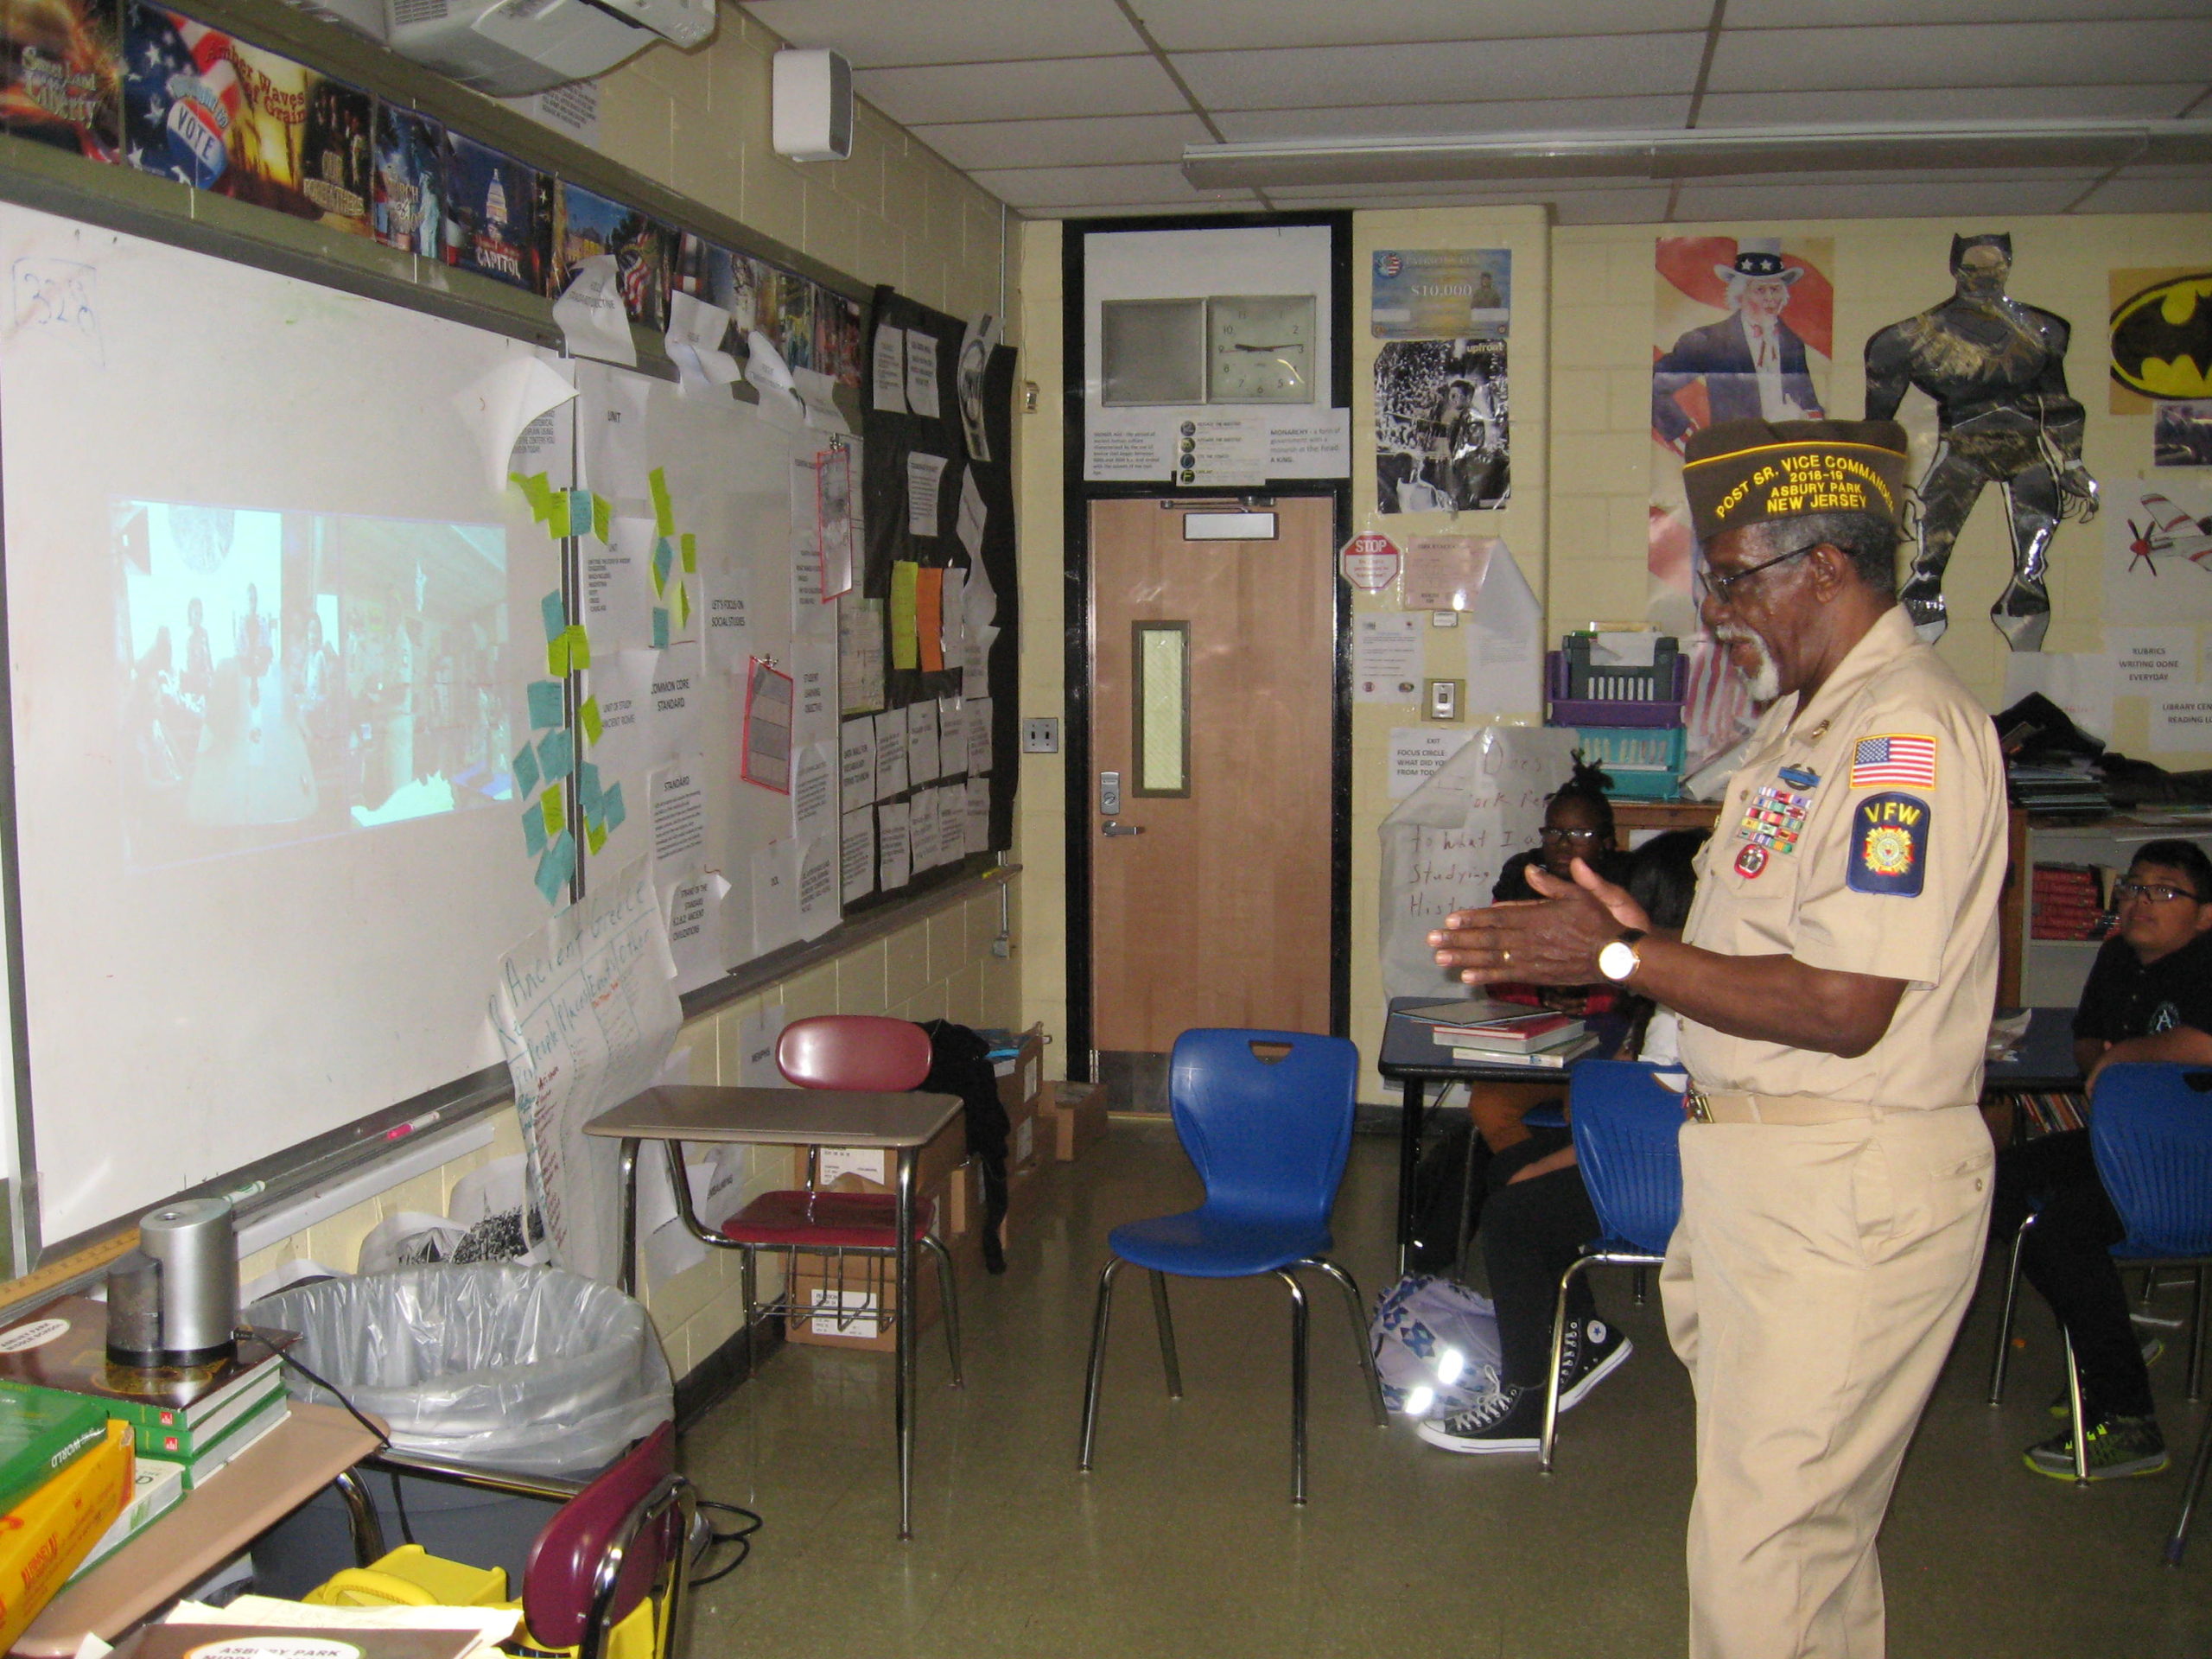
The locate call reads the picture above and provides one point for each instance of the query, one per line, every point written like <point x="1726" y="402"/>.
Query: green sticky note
<point x="661" y="627"/>
<point x="533" y="830"/>
<point x="554" y="614"/>
<point x="906" y="643"/>
<point x="602" y="516"/>
<point x="537" y="493"/>
<point x="587" y="718"/>
<point x="549" y="805"/>
<point x="556" y="755"/>
<point x="597" y="836"/>
<point x="556" y="518"/>
<point x="587" y="787"/>
<point x="526" y="777"/>
<point x="557" y="657"/>
<point x="544" y="704"/>
<point x="579" y="647"/>
<point x="683" y="606"/>
<point x="610" y="808"/>
<point x="690" y="554"/>
<point x="663" y="509"/>
<point x="555" y="868"/>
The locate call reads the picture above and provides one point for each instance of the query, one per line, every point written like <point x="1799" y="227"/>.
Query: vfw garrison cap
<point x="1744" y="473"/>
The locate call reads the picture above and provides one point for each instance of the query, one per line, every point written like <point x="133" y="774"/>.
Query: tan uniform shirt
<point x="1863" y="833"/>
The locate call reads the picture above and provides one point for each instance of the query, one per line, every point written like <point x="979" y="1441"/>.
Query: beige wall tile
<point x="947" y="935"/>
<point x="775" y="196"/>
<point x="813" y="992"/>
<point x="906" y="963"/>
<point x="860" y="979"/>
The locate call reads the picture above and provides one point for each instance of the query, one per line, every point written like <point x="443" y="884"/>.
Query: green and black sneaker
<point x="2152" y="1350"/>
<point x="2118" y="1447"/>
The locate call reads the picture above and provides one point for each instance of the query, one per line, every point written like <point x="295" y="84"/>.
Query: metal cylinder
<point x="134" y="1311"/>
<point x="194" y="1240"/>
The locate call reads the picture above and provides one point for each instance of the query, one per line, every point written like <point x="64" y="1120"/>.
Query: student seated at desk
<point x="2149" y="998"/>
<point x="1538" y="1217"/>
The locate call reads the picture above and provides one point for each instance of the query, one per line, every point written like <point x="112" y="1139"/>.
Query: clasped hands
<point x="1552" y="940"/>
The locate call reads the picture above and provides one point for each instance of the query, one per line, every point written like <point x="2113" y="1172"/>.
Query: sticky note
<point x="556" y="755"/>
<point x="587" y="719"/>
<point x="611" y="808"/>
<point x="556" y="657"/>
<point x="533" y="830"/>
<point x="663" y="561"/>
<point x="663" y="509"/>
<point x="661" y="627"/>
<point x="929" y="617"/>
<point x="544" y="704"/>
<point x="537" y="493"/>
<point x="683" y="606"/>
<point x="579" y="647"/>
<point x="690" y="554"/>
<point x="588" y="786"/>
<point x="581" y="514"/>
<point x="906" y="649"/>
<point x="549" y="805"/>
<point x="526" y="775"/>
<point x="602" y="516"/>
<point x="556" y="616"/>
<point x="597" y="836"/>
<point x="557" y="519"/>
<point x="555" y="868"/>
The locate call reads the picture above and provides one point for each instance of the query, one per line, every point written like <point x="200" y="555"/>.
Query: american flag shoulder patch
<point x="1893" y="760"/>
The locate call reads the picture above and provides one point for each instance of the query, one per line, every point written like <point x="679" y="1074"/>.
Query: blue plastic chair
<point x="1625" y="1122"/>
<point x="1265" y="1117"/>
<point x="2152" y="1132"/>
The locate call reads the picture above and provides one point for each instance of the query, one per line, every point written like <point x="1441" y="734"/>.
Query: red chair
<point x="856" y="1051"/>
<point x="609" y="1548"/>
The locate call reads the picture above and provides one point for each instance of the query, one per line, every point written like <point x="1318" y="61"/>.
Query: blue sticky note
<point x="661" y="627"/>
<point x="544" y="704"/>
<point x="557" y="616"/>
<point x="533" y="830"/>
<point x="555" y="868"/>
<point x="663" y="559"/>
<point x="526" y="769"/>
<point x="556" y="755"/>
<point x="579" y="511"/>
<point x="611" y="805"/>
<point x="588" y="786"/>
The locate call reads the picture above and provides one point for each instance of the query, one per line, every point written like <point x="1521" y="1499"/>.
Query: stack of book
<point x="2071" y="901"/>
<point x="66" y="1474"/>
<point x="196" y="1420"/>
<point x="1485" y="1032"/>
<point x="2058" y="792"/>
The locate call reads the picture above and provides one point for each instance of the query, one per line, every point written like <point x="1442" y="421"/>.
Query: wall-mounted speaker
<point x="810" y="110"/>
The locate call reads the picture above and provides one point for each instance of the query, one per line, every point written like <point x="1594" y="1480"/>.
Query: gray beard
<point x="1764" y="680"/>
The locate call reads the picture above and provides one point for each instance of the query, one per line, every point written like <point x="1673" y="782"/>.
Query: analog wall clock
<point x="1260" y="348"/>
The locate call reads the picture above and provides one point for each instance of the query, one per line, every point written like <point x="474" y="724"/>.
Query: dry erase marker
<point x="405" y="1129"/>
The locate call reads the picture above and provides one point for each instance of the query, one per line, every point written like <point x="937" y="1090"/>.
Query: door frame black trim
<point x="1077" y="641"/>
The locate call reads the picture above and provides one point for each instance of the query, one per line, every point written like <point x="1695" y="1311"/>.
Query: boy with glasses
<point x="2149" y="998"/>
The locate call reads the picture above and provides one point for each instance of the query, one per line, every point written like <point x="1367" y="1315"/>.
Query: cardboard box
<point x="867" y="1285"/>
<point x="1076" y="1116"/>
<point x="1021" y="1083"/>
<point x="870" y="1169"/>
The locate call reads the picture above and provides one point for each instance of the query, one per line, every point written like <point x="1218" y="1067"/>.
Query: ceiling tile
<point x="1194" y="25"/>
<point x="2127" y="194"/>
<point x="1503" y="190"/>
<point x="1246" y="203"/>
<point x="1063" y="187"/>
<point x="1387" y="75"/>
<point x="2152" y="99"/>
<point x="1786" y="14"/>
<point x="972" y="144"/>
<point x="999" y="92"/>
<point x="874" y="33"/>
<point x="1963" y="55"/>
<point x="1517" y="115"/>
<point x="1905" y="198"/>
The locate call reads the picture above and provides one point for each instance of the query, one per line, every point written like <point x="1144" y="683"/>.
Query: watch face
<point x="1260" y="348"/>
<point x="1151" y="351"/>
<point x="1617" y="960"/>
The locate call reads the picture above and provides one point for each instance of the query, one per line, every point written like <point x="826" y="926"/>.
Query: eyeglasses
<point x="1586" y="836"/>
<point x="2123" y="891"/>
<point x="1721" y="586"/>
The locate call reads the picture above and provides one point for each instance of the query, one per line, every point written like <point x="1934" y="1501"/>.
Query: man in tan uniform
<point x="1835" y="979"/>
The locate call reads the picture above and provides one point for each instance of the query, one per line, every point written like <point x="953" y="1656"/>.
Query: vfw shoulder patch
<point x="1889" y="844"/>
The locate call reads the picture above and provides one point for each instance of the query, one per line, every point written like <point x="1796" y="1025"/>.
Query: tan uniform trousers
<point x="1812" y="1288"/>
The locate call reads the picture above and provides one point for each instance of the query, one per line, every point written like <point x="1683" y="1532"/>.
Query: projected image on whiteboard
<point x="294" y="675"/>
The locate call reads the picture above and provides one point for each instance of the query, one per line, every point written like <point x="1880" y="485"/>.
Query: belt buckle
<point x="1694" y="1100"/>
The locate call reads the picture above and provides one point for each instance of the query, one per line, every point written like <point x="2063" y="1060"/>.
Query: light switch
<point x="1444" y="699"/>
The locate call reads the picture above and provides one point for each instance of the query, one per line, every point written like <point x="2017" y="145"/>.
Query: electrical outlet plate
<point x="1040" y="735"/>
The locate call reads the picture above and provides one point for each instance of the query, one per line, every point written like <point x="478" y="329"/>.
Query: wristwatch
<point x="1620" y="959"/>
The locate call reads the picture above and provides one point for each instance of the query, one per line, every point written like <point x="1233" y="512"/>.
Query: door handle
<point x="1121" y="829"/>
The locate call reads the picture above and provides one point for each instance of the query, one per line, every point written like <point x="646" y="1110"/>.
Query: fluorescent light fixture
<point x="1666" y="153"/>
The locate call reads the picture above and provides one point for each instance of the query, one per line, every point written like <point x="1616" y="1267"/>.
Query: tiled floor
<point x="1183" y="1541"/>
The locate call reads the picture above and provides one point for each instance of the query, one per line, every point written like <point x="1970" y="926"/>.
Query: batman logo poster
<point x="2161" y="338"/>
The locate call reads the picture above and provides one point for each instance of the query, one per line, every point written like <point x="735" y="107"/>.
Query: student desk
<point x="313" y="1447"/>
<point x="2044" y="1062"/>
<point x="903" y="1123"/>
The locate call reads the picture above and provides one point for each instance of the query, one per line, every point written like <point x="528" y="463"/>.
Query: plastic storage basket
<point x="1658" y="692"/>
<point x="1644" y="762"/>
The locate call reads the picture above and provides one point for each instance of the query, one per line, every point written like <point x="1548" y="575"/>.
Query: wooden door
<point x="1212" y="691"/>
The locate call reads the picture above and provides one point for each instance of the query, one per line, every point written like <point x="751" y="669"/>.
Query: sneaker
<point x="1590" y="1353"/>
<point x="1511" y="1419"/>
<point x="2153" y="1351"/>
<point x="2118" y="1446"/>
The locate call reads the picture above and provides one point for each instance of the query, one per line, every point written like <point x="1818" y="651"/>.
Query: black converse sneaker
<point x="1590" y="1353"/>
<point x="1511" y="1419"/>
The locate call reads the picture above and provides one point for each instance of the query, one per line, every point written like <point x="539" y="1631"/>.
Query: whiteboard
<point x="264" y="881"/>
